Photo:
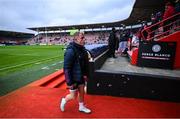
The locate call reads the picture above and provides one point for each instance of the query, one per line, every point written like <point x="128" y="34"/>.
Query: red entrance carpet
<point x="35" y="102"/>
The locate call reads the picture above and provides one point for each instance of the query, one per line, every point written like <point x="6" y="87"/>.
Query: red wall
<point x="174" y="37"/>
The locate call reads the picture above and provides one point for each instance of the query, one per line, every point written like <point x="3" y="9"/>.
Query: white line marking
<point x="54" y="64"/>
<point x="38" y="63"/>
<point x="10" y="67"/>
<point x="45" y="67"/>
<point x="60" y="62"/>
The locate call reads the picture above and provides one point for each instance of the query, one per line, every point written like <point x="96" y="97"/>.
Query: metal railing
<point x="162" y="28"/>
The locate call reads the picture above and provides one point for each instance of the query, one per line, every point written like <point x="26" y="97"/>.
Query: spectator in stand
<point x="177" y="10"/>
<point x="153" y="19"/>
<point x="177" y="6"/>
<point x="145" y="33"/>
<point x="112" y="43"/>
<point x="169" y="11"/>
<point x="154" y="27"/>
<point x="158" y="16"/>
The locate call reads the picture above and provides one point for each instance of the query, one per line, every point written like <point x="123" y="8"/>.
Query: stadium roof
<point x="15" y="34"/>
<point x="141" y="11"/>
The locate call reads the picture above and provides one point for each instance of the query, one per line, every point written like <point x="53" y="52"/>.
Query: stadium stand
<point x="92" y="37"/>
<point x="14" y="38"/>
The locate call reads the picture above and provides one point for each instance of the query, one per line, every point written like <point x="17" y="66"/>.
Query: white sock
<point x="81" y="104"/>
<point x="64" y="100"/>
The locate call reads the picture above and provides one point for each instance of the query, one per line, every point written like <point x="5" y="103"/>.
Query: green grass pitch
<point x="21" y="65"/>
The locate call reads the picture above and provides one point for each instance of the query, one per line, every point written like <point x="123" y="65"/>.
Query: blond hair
<point x="77" y="34"/>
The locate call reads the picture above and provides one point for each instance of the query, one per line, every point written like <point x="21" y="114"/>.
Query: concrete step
<point x="47" y="79"/>
<point x="56" y="82"/>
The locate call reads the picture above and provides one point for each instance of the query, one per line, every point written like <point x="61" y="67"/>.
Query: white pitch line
<point x="60" y="62"/>
<point x="38" y="63"/>
<point x="10" y="67"/>
<point x="54" y="64"/>
<point x="45" y="67"/>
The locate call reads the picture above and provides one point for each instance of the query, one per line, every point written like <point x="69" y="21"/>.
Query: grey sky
<point x="17" y="15"/>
